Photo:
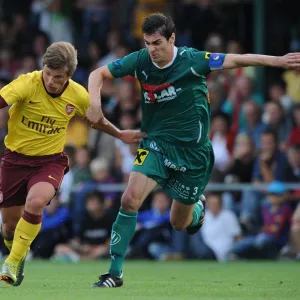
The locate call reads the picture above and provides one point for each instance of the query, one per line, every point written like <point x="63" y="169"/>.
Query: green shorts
<point x="182" y="172"/>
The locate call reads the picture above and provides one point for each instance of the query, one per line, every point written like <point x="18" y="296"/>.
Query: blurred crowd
<point x="255" y="136"/>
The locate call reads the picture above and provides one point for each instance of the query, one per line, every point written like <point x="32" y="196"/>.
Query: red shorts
<point x="18" y="173"/>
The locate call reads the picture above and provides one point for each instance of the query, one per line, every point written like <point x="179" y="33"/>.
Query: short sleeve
<point x="124" y="66"/>
<point x="17" y="90"/>
<point x="200" y="62"/>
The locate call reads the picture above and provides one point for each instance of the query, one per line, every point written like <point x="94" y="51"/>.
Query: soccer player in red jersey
<point x="34" y="164"/>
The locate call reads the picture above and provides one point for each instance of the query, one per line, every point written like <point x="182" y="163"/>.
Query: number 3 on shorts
<point x="141" y="155"/>
<point x="195" y="191"/>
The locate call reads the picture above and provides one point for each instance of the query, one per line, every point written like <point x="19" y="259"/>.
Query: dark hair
<point x="160" y="23"/>
<point x="295" y="146"/>
<point x="296" y="106"/>
<point x="269" y="131"/>
<point x="222" y="115"/>
<point x="95" y="194"/>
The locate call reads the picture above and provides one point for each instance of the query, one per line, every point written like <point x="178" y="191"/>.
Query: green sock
<point x="122" y="232"/>
<point x="196" y="214"/>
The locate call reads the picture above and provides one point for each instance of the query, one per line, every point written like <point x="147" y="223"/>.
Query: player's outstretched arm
<point x="127" y="136"/>
<point x="94" y="113"/>
<point x="288" y="61"/>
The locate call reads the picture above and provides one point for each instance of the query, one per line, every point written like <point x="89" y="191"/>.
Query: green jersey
<point x="175" y="100"/>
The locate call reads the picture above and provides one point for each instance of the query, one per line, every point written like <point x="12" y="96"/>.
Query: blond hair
<point x="243" y="137"/>
<point x="98" y="164"/>
<point x="61" y="55"/>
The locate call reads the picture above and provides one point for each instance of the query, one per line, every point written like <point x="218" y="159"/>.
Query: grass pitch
<point x="159" y="281"/>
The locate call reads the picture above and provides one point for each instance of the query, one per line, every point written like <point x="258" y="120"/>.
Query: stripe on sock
<point x="31" y="218"/>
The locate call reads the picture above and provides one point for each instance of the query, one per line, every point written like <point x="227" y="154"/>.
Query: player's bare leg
<point x="26" y="231"/>
<point x="139" y="187"/>
<point x="10" y="218"/>
<point x="189" y="217"/>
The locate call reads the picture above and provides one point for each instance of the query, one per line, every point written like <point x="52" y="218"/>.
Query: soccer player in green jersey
<point x="176" y="153"/>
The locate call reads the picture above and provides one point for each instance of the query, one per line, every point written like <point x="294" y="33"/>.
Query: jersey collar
<point x="171" y="62"/>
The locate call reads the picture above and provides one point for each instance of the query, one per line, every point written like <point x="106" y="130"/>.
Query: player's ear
<point x="172" y="38"/>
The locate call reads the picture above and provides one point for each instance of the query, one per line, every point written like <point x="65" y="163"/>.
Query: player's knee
<point x="129" y="201"/>
<point x="35" y="203"/>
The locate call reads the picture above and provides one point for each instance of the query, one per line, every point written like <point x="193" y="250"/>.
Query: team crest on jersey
<point x="1" y="197"/>
<point x="117" y="64"/>
<point x="69" y="109"/>
<point x="159" y="93"/>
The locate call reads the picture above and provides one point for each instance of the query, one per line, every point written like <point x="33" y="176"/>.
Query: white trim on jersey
<point x="171" y="62"/>
<point x="195" y="73"/>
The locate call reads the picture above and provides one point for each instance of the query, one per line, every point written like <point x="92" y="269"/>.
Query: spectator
<point x="294" y="135"/>
<point x="53" y="18"/>
<point x="274" y="119"/>
<point x="21" y="34"/>
<point x="124" y="101"/>
<point x="222" y="141"/>
<point x="55" y="229"/>
<point x="81" y="170"/>
<point x="101" y="145"/>
<point x="220" y="229"/>
<point x="292" y="170"/>
<point x="40" y="43"/>
<point x="268" y="167"/>
<point x="277" y="94"/>
<point x="96" y="18"/>
<point x="28" y="64"/>
<point x="241" y="90"/>
<point x="240" y="171"/>
<point x="253" y="125"/>
<point x="100" y="175"/>
<point x="270" y="161"/>
<point x="199" y="14"/>
<point x="276" y="215"/>
<point x="216" y="96"/>
<point x="153" y="232"/>
<point x="94" y="235"/>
